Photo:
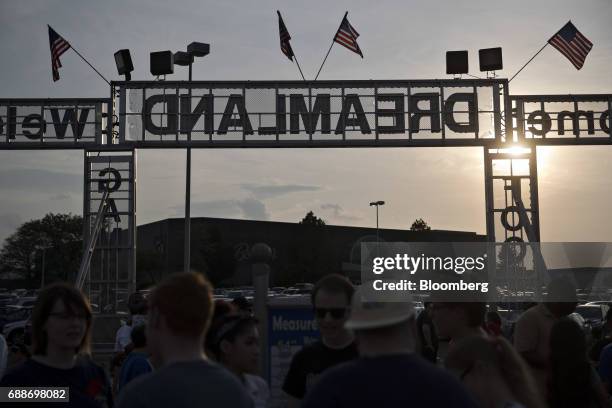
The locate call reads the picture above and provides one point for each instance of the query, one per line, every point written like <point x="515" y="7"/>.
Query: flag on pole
<point x="285" y="46"/>
<point x="571" y="43"/>
<point x="347" y="36"/>
<point x="58" y="47"/>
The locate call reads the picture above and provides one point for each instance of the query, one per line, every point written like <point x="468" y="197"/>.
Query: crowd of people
<point x="182" y="349"/>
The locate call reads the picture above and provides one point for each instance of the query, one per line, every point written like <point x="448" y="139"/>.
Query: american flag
<point x="58" y="47"/>
<point x="347" y="36"/>
<point x="571" y="43"/>
<point x="284" y="38"/>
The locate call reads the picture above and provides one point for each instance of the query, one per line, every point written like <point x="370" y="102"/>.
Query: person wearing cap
<point x="331" y="298"/>
<point x="388" y="373"/>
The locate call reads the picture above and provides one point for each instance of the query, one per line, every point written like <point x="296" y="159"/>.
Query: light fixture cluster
<point x="161" y="62"/>
<point x="490" y="60"/>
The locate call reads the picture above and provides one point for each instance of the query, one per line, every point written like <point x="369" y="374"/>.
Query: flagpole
<point x="92" y="67"/>
<point x="536" y="54"/>
<point x="330" y="47"/>
<point x="298" y="65"/>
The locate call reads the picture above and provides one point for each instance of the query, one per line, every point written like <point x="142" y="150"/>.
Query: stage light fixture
<point x="456" y="62"/>
<point x="183" y="58"/>
<point x="490" y="59"/>
<point x="123" y="60"/>
<point x="198" y="49"/>
<point x="162" y="63"/>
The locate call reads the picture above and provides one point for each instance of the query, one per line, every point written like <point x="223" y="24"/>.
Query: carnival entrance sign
<point x="296" y="114"/>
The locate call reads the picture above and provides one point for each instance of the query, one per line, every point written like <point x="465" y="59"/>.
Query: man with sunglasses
<point x="331" y="298"/>
<point x="389" y="372"/>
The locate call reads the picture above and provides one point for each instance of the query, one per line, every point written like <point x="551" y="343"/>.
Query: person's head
<point x="331" y="298"/>
<point x="223" y="308"/>
<point x="179" y="309"/>
<point x="453" y="318"/>
<point x="234" y="342"/>
<point x="608" y="318"/>
<point x="427" y="308"/>
<point x="61" y="320"/>
<point x="493" y="317"/>
<point x="138" y="337"/>
<point x="561" y="298"/>
<point x="20" y="352"/>
<point x="488" y="368"/>
<point x="382" y="327"/>
<point x="242" y="305"/>
<point x="137" y="304"/>
<point x="567" y="341"/>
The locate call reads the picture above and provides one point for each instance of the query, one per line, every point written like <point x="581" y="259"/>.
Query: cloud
<point x="60" y="197"/>
<point x="248" y="208"/>
<point x="253" y="208"/>
<point x="45" y="181"/>
<point x="268" y="191"/>
<point x="339" y="213"/>
<point x="8" y="225"/>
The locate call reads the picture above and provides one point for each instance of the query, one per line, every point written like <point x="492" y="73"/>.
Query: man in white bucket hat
<point x="388" y="373"/>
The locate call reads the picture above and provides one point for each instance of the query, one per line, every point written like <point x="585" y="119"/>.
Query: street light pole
<point x="187" y="261"/>
<point x="195" y="49"/>
<point x="377" y="236"/>
<point x="377" y="204"/>
<point x="42" y="278"/>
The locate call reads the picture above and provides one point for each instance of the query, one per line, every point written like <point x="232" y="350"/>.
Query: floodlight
<point x="162" y="63"/>
<point x="456" y="62"/>
<point x="198" y="49"/>
<point x="182" y="58"/>
<point x="123" y="60"/>
<point x="490" y="59"/>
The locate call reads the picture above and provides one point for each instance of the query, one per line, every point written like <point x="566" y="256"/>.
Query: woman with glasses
<point x="61" y="335"/>
<point x="493" y="373"/>
<point x="234" y="343"/>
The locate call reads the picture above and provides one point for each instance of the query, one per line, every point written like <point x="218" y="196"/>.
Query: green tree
<point x="420" y="225"/>
<point x="310" y="253"/>
<point x="311" y="219"/>
<point x="56" y="237"/>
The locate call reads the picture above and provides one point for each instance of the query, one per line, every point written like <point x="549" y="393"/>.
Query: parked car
<point x="593" y="314"/>
<point x="7" y="299"/>
<point x="25" y="301"/>
<point x="13" y="314"/>
<point x="14" y="332"/>
<point x="233" y="294"/>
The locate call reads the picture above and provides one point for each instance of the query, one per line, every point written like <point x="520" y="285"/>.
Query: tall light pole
<point x="195" y="49"/>
<point x="377" y="204"/>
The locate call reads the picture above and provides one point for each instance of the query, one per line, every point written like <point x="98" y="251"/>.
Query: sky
<point x="399" y="39"/>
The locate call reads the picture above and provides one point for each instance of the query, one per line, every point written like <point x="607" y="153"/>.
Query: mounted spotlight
<point x="123" y="60"/>
<point x="162" y="63"/>
<point x="456" y="62"/>
<point x="198" y="49"/>
<point x="182" y="58"/>
<point x="490" y="59"/>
